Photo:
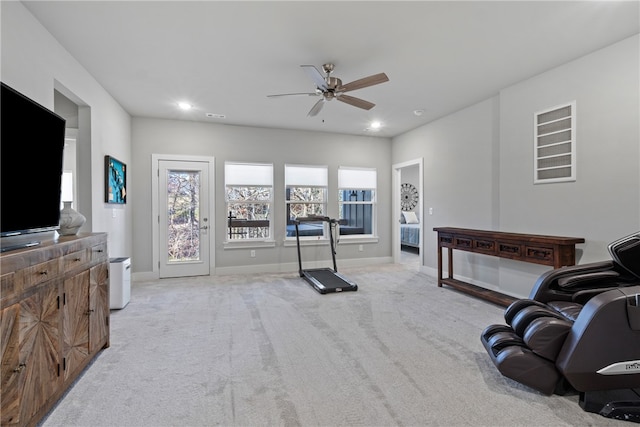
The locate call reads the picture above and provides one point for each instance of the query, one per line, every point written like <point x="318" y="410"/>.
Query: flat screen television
<point x="31" y="155"/>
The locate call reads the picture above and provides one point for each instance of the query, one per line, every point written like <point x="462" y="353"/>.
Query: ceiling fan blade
<point x="316" y="76"/>
<point x="364" y="82"/>
<point x="316" y="108"/>
<point x="356" y="102"/>
<point x="293" y="94"/>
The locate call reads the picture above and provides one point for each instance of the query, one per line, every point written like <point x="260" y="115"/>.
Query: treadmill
<point x="323" y="280"/>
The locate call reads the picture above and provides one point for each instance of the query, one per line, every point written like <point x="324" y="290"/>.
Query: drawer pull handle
<point x="540" y="253"/>
<point x="509" y="249"/>
<point x="77" y="259"/>
<point x="20" y="367"/>
<point x="88" y="313"/>
<point x="44" y="272"/>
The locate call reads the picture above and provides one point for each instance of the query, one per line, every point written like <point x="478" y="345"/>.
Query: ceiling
<point x="226" y="57"/>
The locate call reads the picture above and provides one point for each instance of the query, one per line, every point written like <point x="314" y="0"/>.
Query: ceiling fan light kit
<point x="332" y="88"/>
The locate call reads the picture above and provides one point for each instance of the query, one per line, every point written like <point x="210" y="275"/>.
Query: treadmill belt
<point x="327" y="280"/>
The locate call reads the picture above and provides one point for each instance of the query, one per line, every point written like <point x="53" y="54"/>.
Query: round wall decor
<point x="408" y="196"/>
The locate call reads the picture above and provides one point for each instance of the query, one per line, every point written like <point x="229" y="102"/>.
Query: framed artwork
<point x="115" y="181"/>
<point x="408" y="197"/>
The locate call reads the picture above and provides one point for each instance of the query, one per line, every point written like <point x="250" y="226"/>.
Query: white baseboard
<point x="291" y="267"/>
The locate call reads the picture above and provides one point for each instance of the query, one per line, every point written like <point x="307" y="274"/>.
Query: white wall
<point x="458" y="152"/>
<point x="34" y="63"/>
<point x="238" y="143"/>
<point x="602" y="204"/>
<point x="477" y="162"/>
<point x="479" y="166"/>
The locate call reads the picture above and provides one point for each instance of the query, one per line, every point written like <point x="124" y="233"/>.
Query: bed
<point x="410" y="230"/>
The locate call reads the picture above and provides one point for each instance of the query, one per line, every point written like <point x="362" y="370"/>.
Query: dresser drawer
<point x="39" y="273"/>
<point x="75" y="259"/>
<point x="99" y="252"/>
<point x="8" y="286"/>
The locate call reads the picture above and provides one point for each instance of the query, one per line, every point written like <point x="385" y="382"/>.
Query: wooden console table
<point x="554" y="251"/>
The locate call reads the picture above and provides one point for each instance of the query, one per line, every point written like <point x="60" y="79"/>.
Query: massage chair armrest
<point x="581" y="297"/>
<point x="547" y="289"/>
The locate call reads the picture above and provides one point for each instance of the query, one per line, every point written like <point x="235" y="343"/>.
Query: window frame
<point x="312" y="182"/>
<point x="264" y="179"/>
<point x="358" y="179"/>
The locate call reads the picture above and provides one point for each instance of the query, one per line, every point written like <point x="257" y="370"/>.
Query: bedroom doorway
<point x="408" y="213"/>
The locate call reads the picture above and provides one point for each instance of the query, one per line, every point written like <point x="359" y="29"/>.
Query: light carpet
<point x="268" y="350"/>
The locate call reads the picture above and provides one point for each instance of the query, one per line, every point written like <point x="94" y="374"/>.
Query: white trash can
<point x="119" y="282"/>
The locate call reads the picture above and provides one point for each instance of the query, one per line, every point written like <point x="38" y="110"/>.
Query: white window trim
<point x="239" y="181"/>
<point x="317" y="181"/>
<point x="361" y="184"/>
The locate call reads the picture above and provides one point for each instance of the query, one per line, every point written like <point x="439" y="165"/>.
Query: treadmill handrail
<point x="313" y="218"/>
<point x="331" y="221"/>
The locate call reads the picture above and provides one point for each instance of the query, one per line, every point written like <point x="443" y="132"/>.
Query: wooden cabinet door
<point x="98" y="306"/>
<point x="75" y="314"/>
<point x="39" y="349"/>
<point x="11" y="369"/>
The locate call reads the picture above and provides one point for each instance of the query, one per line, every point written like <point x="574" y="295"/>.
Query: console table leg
<point x="439" y="266"/>
<point x="450" y="253"/>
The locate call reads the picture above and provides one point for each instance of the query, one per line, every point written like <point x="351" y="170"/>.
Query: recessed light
<point x="418" y="112"/>
<point x="184" y="106"/>
<point x="375" y="125"/>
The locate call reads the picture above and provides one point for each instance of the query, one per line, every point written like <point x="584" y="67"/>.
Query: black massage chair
<point x="579" y="331"/>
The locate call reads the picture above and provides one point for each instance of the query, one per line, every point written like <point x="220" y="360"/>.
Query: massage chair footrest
<point x="516" y="361"/>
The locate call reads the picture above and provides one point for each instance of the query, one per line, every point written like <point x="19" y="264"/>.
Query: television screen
<point x="31" y="153"/>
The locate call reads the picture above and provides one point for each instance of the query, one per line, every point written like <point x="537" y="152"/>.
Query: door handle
<point x="204" y="227"/>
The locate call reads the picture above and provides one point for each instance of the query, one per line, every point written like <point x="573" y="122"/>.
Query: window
<point x="555" y="145"/>
<point x="306" y="195"/>
<point x="248" y="195"/>
<point x="356" y="201"/>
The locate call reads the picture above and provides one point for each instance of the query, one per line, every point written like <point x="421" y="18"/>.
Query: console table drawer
<point x="464" y="243"/>
<point x="445" y="240"/>
<point x="484" y="246"/>
<point x="538" y="254"/>
<point x="509" y="250"/>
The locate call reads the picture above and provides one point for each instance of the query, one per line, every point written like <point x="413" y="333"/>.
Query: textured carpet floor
<point x="268" y="350"/>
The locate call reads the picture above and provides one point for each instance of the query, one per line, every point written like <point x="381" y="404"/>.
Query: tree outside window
<point x="248" y="195"/>
<point x="306" y="195"/>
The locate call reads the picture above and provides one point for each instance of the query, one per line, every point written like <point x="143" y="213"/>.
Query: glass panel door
<point x="184" y="218"/>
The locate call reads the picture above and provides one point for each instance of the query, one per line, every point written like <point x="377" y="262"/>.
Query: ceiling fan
<point x="332" y="88"/>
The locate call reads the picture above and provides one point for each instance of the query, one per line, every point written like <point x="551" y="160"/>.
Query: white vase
<point x="70" y="220"/>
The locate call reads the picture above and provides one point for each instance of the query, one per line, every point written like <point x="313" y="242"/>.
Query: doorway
<point x="184" y="224"/>
<point x="408" y="213"/>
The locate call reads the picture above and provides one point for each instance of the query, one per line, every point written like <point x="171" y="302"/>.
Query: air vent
<point x="216" y="116"/>
<point x="554" y="145"/>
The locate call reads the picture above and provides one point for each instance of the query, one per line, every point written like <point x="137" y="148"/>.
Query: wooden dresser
<point x="554" y="251"/>
<point x="54" y="319"/>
